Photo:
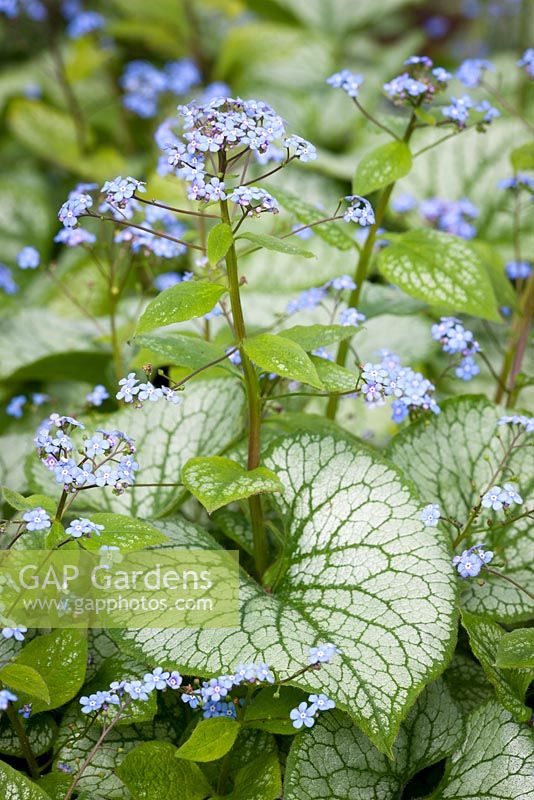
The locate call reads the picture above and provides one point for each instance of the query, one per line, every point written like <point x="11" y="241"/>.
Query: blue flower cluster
<point x="471" y="561"/>
<point x="359" y="210"/>
<point x="133" y="391"/>
<point x="227" y="125"/>
<point x="518" y="419"/>
<point x="28" y="258"/>
<point x="455" y="339"/>
<point x="17" y="633"/>
<point x="83" y="527"/>
<point x="410" y="390"/>
<point x="460" y="107"/>
<point x="167" y="279"/>
<point x="74" y="207"/>
<point x="7" y="282"/>
<point x="120" y="190"/>
<point x="527" y="61"/>
<point x="143" y="84"/>
<point x="517" y="182"/>
<point x="471" y="71"/>
<point x="304" y="715"/>
<point x="450" y="216"/>
<point x="33" y="9"/>
<point x="106" y="457"/>
<point x="97" y="395"/>
<point x="499" y="497"/>
<point x="518" y="270"/>
<point x="418" y="83"/>
<point x="346" y="80"/>
<point x="80" y="22"/>
<point x="15" y="407"/>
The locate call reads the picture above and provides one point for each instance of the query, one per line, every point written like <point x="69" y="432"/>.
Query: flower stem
<point x="253" y="399"/>
<point x="513" y="358"/>
<point x="363" y="265"/>
<point x="25" y="746"/>
<point x="510" y="580"/>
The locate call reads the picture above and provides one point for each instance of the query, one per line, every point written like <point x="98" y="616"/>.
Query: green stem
<point x="61" y="506"/>
<point x="513" y="358"/>
<point x="253" y="399"/>
<point x="25" y="746"/>
<point x="363" y="265"/>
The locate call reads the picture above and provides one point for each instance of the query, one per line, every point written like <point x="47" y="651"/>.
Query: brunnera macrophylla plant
<point x="212" y="428"/>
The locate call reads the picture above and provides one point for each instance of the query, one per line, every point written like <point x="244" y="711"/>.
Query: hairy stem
<point x="363" y="265"/>
<point x="517" y="346"/>
<point x="253" y="399"/>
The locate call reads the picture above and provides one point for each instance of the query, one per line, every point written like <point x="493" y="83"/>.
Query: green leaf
<point x="218" y="481"/>
<point x="362" y="573"/>
<point x="522" y="158"/>
<point x="56" y="785"/>
<point x="494" y="265"/>
<point x="442" y="269"/>
<point x="209" y="417"/>
<point x="178" y="303"/>
<point x="273" y="243"/>
<point x="310" y="337"/>
<point x="510" y="685"/>
<point x="494" y="759"/>
<point x="40" y="729"/>
<point x="15" y="786"/>
<point x="211" y="739"/>
<point x="516" y="649"/>
<point x="425" y="116"/>
<point x="182" y="349"/>
<point x="270" y="707"/>
<point x="280" y="355"/>
<point x="259" y="780"/>
<point x="444" y="457"/>
<point x="354" y="768"/>
<point x="382" y="166"/>
<point x="123" y="532"/>
<point x="60" y="658"/>
<point x="332" y="232"/>
<point x="467" y="683"/>
<point x="220" y="240"/>
<point x="334" y="377"/>
<point x="236" y="526"/>
<point x="25" y="679"/>
<point x="151" y="771"/>
<point x="21" y="503"/>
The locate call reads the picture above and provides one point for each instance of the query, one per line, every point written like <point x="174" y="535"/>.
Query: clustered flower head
<point x="460" y="108"/>
<point x="517" y="182"/>
<point x="419" y="83"/>
<point x="226" y="127"/>
<point x="28" y="258"/>
<point x="105" y="458"/>
<point x="97" y="395"/>
<point x="455" y="339"/>
<point x="471" y="71"/>
<point x="133" y="391"/>
<point x="37" y="519"/>
<point x="80" y="22"/>
<point x="471" y="561"/>
<point x="518" y="270"/>
<point x="346" y="80"/>
<point x="15" y="407"/>
<point x="120" y="190"/>
<point x="359" y="210"/>
<point x="143" y="84"/>
<point x="74" y="207"/>
<point x="451" y="216"/>
<point x="499" y="497"/>
<point x="410" y="390"/>
<point x="518" y="419"/>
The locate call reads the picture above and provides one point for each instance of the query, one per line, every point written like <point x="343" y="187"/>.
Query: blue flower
<point x="84" y="23"/>
<point x="97" y="395"/>
<point x="28" y="258"/>
<point x="303" y="150"/>
<point x="527" y="61"/>
<point x="245" y="672"/>
<point x="37" y="519"/>
<point x="322" y="654"/>
<point x="458" y="111"/>
<point x="346" y="80"/>
<point x="254" y="201"/>
<point x="96" y="446"/>
<point x="83" y="527"/>
<point x="15" y="407"/>
<point x="91" y="703"/>
<point x="471" y="561"/>
<point x="7" y="284"/>
<point x="403" y="203"/>
<point x="157" y="679"/>
<point x="303" y="715"/>
<point x="136" y="690"/>
<point x="166" y="280"/>
<point x="120" y="190"/>
<point x="17" y="633"/>
<point x="518" y="419"/>
<point x="310" y="298"/>
<point x="430" y="515"/>
<point x="26" y="710"/>
<point x="129" y="388"/>
<point x="174" y="681"/>
<point x="518" y="270"/>
<point x="74" y="207"/>
<point x="471" y="71"/>
<point x="467" y="368"/>
<point x="493" y="498"/>
<point x="510" y="496"/>
<point x="322" y="702"/>
<point x="360" y="210"/>
<point x="517" y="182"/>
<point x="351" y="316"/>
<point x="191" y="698"/>
<point x="6" y="697"/>
<point x="263" y="673"/>
<point x="341" y="283"/>
<point x="454" y="338"/>
<point x="143" y="83"/>
<point x="181" y="76"/>
<point x="72" y="237"/>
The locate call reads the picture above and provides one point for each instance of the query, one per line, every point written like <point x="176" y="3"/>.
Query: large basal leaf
<point x="467" y="683"/>
<point x="442" y="269"/>
<point x="152" y="771"/>
<point x="361" y="572"/>
<point x="36" y="343"/>
<point x="16" y="786"/>
<point x="179" y="303"/>
<point x="446" y="459"/>
<point x="510" y="685"/>
<point x="382" y="166"/>
<point x="494" y="761"/>
<point x="41" y="731"/>
<point x="334" y="761"/>
<point x="208" y="418"/>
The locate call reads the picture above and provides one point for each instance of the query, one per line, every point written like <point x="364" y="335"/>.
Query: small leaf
<point x="126" y="533"/>
<point x="218" y="481"/>
<point x="21" y="503"/>
<point x="15" y="786"/>
<point x="510" y="685"/>
<point x="425" y="116"/>
<point x="182" y="349"/>
<point x="60" y="658"/>
<point x="522" y="158"/>
<point x="219" y="242"/>
<point x="152" y="771"/>
<point x="442" y="269"/>
<point x="310" y="337"/>
<point x="22" y="678"/>
<point x="334" y="377"/>
<point x="382" y="166"/>
<point x="516" y="649"/>
<point x="279" y="245"/>
<point x="333" y="233"/>
<point x="178" y="303"/>
<point x="211" y="739"/>
<point x="283" y="357"/>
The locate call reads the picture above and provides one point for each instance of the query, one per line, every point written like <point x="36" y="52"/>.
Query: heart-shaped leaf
<point x="218" y="481"/>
